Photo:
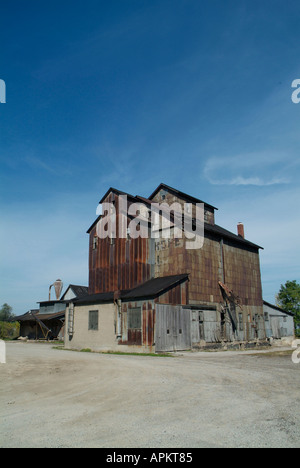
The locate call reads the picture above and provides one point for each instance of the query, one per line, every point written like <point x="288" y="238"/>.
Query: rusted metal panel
<point x="127" y="263"/>
<point x="121" y="264"/>
<point x="144" y="334"/>
<point x="169" y="195"/>
<point x="134" y="337"/>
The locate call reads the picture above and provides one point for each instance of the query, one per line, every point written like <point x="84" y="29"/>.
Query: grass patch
<point x="119" y="353"/>
<point x="123" y="353"/>
<point x="273" y="353"/>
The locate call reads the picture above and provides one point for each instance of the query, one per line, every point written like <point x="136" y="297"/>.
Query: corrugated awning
<point x="30" y="316"/>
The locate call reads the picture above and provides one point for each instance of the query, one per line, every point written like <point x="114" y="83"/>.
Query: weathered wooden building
<point x="279" y="323"/>
<point x="48" y="321"/>
<point x="154" y="293"/>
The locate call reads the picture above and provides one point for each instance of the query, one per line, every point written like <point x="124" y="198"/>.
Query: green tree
<point x="6" y="313"/>
<point x="288" y="299"/>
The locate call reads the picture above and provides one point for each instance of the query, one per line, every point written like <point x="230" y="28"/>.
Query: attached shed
<point x="279" y="323"/>
<point x="48" y="322"/>
<point x="130" y="318"/>
<point x="36" y="326"/>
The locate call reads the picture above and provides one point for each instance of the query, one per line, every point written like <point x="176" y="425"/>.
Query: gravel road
<point x="57" y="398"/>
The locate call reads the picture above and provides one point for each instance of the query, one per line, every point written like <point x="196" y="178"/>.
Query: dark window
<point x="241" y="326"/>
<point x="135" y="318"/>
<point x="93" y="319"/>
<point x="95" y="242"/>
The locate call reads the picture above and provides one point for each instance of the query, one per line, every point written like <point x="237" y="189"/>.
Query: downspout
<point x="71" y="321"/>
<point x="222" y="261"/>
<point x="223" y="308"/>
<point x="119" y="315"/>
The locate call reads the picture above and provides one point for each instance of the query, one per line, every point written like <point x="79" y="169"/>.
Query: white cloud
<point x="260" y="169"/>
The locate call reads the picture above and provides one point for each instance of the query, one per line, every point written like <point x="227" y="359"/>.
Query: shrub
<point x="9" y="330"/>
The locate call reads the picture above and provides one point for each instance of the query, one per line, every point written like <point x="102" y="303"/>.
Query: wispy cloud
<point x="37" y="163"/>
<point x="258" y="169"/>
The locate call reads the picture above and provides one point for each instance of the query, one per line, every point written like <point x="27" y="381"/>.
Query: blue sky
<point x="195" y="94"/>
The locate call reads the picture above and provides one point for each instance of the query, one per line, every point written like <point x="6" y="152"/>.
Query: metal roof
<point x="155" y="286"/>
<point x="212" y="228"/>
<point x="29" y="316"/>
<point x="223" y="233"/>
<point x="180" y="194"/>
<point x="149" y="289"/>
<point x="77" y="290"/>
<point x="278" y="308"/>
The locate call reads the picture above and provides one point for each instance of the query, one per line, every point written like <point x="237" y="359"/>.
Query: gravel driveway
<point x="58" y="398"/>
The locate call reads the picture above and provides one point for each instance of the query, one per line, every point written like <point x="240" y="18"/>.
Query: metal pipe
<point x="119" y="316"/>
<point x="222" y="260"/>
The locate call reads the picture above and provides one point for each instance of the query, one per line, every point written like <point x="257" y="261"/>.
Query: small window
<point x="284" y="319"/>
<point x="241" y="325"/>
<point x="135" y="318"/>
<point x="266" y="316"/>
<point x="95" y="242"/>
<point x="93" y="320"/>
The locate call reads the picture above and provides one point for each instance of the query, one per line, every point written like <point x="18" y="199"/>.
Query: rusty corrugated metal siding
<point x="220" y="259"/>
<point x="127" y="263"/>
<point x="118" y="265"/>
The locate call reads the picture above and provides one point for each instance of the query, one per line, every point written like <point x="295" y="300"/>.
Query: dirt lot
<point x="56" y="398"/>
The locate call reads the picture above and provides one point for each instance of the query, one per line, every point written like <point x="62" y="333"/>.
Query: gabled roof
<point x="32" y="316"/>
<point x="180" y="194"/>
<point x="77" y="290"/>
<point x="212" y="228"/>
<point x="150" y="289"/>
<point x="278" y="308"/>
<point x="114" y="190"/>
<point x="118" y="192"/>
